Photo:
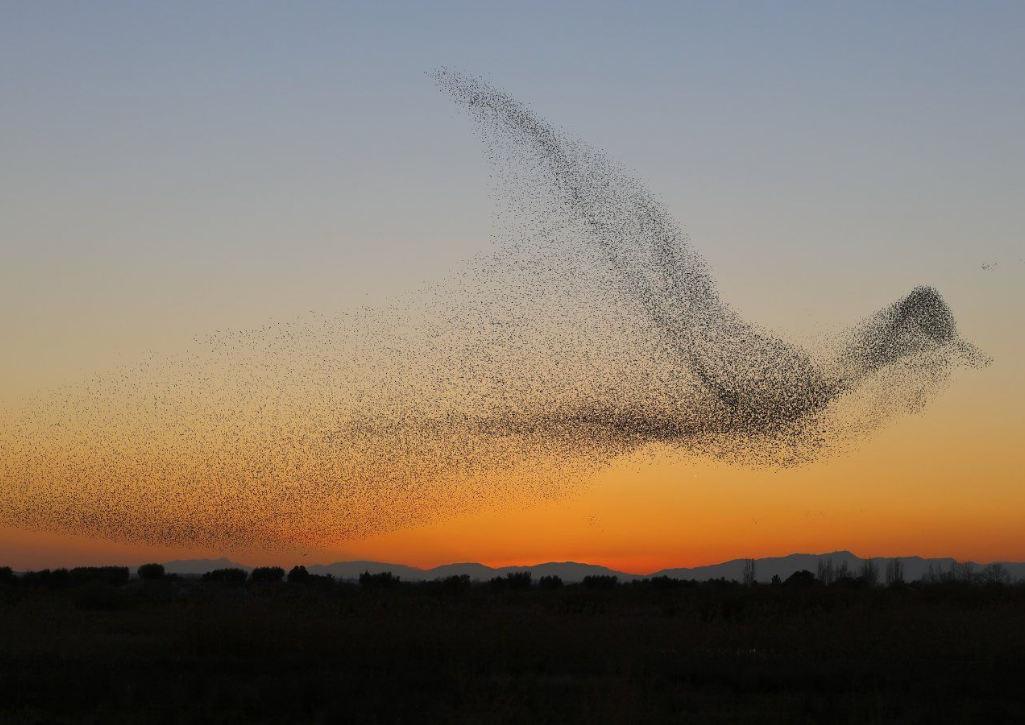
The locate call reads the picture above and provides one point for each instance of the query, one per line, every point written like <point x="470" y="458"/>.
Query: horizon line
<point x="427" y="569"/>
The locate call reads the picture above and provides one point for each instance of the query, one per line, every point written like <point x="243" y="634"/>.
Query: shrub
<point x="803" y="579"/>
<point x="298" y="575"/>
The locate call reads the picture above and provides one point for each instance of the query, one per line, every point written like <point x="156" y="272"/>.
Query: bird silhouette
<point x="592" y="330"/>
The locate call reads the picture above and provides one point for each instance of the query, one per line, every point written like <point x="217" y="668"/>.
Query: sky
<point x="172" y="170"/>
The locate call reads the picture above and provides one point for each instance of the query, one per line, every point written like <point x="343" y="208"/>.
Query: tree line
<point x="829" y="573"/>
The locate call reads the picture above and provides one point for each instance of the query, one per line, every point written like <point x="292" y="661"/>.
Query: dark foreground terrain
<point x="96" y="647"/>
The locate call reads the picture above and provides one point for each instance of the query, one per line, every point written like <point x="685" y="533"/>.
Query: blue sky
<point x="174" y="168"/>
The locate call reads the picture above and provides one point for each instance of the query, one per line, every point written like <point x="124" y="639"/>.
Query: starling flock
<point x="593" y="330"/>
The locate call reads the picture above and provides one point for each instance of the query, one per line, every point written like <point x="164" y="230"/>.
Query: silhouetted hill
<point x="474" y="570"/>
<point x="352" y="570"/>
<point x="914" y="568"/>
<point x="569" y="571"/>
<point x="765" y="568"/>
<point x="201" y="566"/>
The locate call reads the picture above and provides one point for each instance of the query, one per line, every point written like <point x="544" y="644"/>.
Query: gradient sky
<point x="175" y="169"/>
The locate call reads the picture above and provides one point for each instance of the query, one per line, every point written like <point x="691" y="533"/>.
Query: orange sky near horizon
<point x="921" y="486"/>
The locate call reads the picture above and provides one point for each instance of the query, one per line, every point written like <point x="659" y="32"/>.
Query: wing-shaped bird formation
<point x="593" y="330"/>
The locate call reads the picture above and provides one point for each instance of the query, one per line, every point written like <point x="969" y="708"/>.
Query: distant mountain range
<point x="569" y="571"/>
<point x="201" y="566"/>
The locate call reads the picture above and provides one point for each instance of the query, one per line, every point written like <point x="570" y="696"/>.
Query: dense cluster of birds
<point x="593" y="330"/>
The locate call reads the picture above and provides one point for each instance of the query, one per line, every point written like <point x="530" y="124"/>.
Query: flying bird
<point x="593" y="330"/>
<point x="759" y="381"/>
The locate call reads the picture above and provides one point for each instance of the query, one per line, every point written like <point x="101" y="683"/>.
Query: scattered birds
<point x="592" y="331"/>
<point x="994" y="266"/>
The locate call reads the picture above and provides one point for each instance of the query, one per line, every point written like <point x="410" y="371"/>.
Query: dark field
<point x="176" y="651"/>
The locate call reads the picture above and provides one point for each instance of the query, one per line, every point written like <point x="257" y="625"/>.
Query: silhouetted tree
<point x="150" y="572"/>
<point x="298" y="575"/>
<point x="267" y="575"/>
<point x="869" y="573"/>
<point x="383" y="580"/>
<point x="720" y="583"/>
<point x="323" y="581"/>
<point x="826" y="572"/>
<point x="600" y="581"/>
<point x="803" y="579"/>
<point x="962" y="572"/>
<point x="848" y="582"/>
<point x="7" y="575"/>
<point x="550" y="582"/>
<point x="995" y="575"/>
<point x="55" y="579"/>
<point x="456" y="583"/>
<point x="894" y="572"/>
<point x="108" y="575"/>
<point x="664" y="583"/>
<point x="749" y="572"/>
<point x="776" y="581"/>
<point x="843" y="571"/>
<point x="518" y="579"/>
<point x="226" y="576"/>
